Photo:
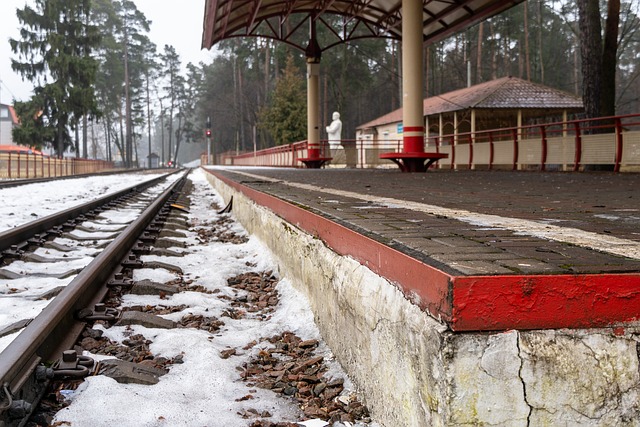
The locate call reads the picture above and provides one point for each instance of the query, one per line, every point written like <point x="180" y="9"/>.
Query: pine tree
<point x="285" y="117"/>
<point x="171" y="72"/>
<point x="599" y="56"/>
<point x="55" y="54"/>
<point x="132" y="26"/>
<point x="33" y="131"/>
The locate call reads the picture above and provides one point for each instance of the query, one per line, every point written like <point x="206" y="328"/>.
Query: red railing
<point x="281" y="155"/>
<point x="571" y="145"/>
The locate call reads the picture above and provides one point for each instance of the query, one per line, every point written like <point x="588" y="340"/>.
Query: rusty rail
<point x="23" y="233"/>
<point x="55" y="329"/>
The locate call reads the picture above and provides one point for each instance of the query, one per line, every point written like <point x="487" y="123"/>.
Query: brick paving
<point x="603" y="203"/>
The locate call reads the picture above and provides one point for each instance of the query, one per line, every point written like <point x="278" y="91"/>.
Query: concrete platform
<point x="503" y="250"/>
<point x="463" y="298"/>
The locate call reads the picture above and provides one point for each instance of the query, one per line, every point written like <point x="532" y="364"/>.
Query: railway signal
<point x="207" y="132"/>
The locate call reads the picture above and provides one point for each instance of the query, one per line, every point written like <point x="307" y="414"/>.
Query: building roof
<point x="12" y="113"/>
<point x="504" y="93"/>
<point x="280" y="19"/>
<point x="14" y="116"/>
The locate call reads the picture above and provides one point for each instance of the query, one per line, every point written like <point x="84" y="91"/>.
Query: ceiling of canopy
<point x="289" y="20"/>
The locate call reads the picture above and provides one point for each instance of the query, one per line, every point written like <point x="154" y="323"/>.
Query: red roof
<point x="19" y="149"/>
<point x="14" y="116"/>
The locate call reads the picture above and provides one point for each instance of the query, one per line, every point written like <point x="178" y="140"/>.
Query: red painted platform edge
<point x="476" y="303"/>
<point x="545" y="301"/>
<point x="424" y="285"/>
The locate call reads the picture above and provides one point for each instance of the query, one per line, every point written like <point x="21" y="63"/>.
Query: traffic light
<point x="208" y="133"/>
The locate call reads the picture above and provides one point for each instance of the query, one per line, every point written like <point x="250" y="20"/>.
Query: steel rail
<point x="42" y="337"/>
<point x="24" y="232"/>
<point x="26" y="181"/>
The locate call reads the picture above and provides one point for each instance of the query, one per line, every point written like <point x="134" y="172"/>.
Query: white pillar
<point x="519" y="133"/>
<point x="426" y="129"/>
<point x="412" y="76"/>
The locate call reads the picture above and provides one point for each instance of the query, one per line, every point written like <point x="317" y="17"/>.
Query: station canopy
<point x="285" y="20"/>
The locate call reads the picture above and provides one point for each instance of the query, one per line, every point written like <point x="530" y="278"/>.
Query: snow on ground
<point x="192" y="164"/>
<point x="26" y="203"/>
<point x="205" y="389"/>
<point x="20" y="299"/>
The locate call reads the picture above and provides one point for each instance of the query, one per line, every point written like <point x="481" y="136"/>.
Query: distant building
<point x="500" y="103"/>
<point x="153" y="160"/>
<point x="8" y="120"/>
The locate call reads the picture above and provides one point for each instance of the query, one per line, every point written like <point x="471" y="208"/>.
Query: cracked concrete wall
<point x="582" y="377"/>
<point x="412" y="371"/>
<point x="484" y="380"/>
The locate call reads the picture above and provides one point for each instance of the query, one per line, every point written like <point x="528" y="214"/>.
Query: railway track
<point x="187" y="306"/>
<point x="26" y="181"/>
<point x="25" y="363"/>
<point x="24" y="230"/>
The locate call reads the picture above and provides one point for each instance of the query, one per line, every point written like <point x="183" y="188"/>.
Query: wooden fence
<point x="24" y="165"/>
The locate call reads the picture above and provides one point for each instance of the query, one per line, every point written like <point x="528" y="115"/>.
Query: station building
<point x="501" y="103"/>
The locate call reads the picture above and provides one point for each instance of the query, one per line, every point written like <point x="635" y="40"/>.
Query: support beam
<point x="313" y="54"/>
<point x="313" y="100"/>
<point x="413" y="157"/>
<point x="412" y="73"/>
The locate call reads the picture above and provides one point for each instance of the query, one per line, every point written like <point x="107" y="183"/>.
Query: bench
<point x="314" y="162"/>
<point x="414" y="162"/>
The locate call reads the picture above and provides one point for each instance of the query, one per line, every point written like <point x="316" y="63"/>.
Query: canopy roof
<point x="281" y="19"/>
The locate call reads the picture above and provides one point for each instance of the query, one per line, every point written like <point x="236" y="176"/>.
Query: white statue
<point x="334" y="130"/>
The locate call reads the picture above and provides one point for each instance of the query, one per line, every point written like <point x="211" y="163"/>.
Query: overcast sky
<point x="176" y="24"/>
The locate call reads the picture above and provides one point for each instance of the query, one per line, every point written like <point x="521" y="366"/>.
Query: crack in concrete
<point x="617" y="395"/>
<point x="524" y="384"/>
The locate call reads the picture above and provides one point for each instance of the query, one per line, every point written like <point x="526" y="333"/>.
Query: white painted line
<point x="544" y="230"/>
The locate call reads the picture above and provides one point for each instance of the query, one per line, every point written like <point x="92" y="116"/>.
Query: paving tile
<point x="470" y="251"/>
<point x="491" y="257"/>
<point x="457" y="242"/>
<point x="477" y="268"/>
<point x="531" y="266"/>
<point x="584" y="201"/>
<point x="537" y="252"/>
<point x="597" y="269"/>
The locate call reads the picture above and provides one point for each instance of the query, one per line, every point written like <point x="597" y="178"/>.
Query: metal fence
<point x="612" y="142"/>
<point x="23" y="166"/>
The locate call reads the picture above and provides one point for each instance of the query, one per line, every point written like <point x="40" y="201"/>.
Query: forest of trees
<point x="119" y="96"/>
